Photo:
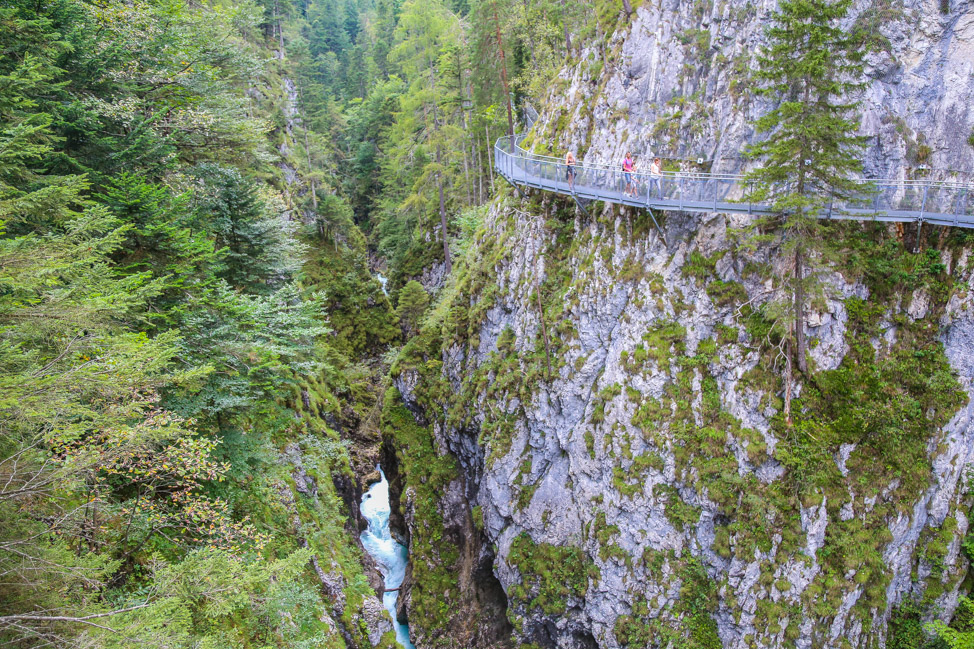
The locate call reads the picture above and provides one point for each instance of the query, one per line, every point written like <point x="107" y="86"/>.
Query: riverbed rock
<point x="376" y="619"/>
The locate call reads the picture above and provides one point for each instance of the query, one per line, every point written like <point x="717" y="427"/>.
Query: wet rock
<point x="376" y="619"/>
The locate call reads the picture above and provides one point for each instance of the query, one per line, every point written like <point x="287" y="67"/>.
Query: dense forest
<point x="227" y="226"/>
<point x="193" y="199"/>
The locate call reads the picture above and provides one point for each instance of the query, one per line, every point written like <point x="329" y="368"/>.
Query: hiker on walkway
<point x="570" y="171"/>
<point x="656" y="177"/>
<point x="628" y="166"/>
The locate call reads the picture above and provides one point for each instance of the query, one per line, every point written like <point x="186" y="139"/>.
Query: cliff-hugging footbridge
<point x="905" y="201"/>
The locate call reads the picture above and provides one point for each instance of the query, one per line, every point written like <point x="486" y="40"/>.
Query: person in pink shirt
<point x="628" y="166"/>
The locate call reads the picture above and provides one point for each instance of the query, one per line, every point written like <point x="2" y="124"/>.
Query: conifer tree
<point x="812" y="151"/>
<point x="413" y="301"/>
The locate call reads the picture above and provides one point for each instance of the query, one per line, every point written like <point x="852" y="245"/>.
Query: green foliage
<point x="680" y="513"/>
<point x="812" y="150"/>
<point x="700" y="267"/>
<point x="427" y="473"/>
<point x="810" y="63"/>
<point x="957" y="635"/>
<point x="157" y="348"/>
<point x="257" y="250"/>
<point x="906" y="630"/>
<point x="634" y="630"/>
<point x="552" y="576"/>
<point x="896" y="401"/>
<point x="726" y="293"/>
<point x="694" y="626"/>
<point x="217" y="600"/>
<point x="413" y="301"/>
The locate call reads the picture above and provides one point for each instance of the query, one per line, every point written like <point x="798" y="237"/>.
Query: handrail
<point x="906" y="200"/>
<point x="726" y="176"/>
<point x="546" y="158"/>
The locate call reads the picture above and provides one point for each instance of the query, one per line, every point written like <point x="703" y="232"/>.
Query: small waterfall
<point x="383" y="280"/>
<point x="391" y="556"/>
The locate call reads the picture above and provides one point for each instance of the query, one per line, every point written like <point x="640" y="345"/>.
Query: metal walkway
<point x="905" y="201"/>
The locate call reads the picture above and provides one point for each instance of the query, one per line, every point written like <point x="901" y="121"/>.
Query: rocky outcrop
<point x="614" y="400"/>
<point x="370" y="616"/>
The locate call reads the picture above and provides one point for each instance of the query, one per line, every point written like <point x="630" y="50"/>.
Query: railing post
<point x="749" y="185"/>
<point x="923" y="204"/>
<point x="831" y="197"/>
<point x="963" y="205"/>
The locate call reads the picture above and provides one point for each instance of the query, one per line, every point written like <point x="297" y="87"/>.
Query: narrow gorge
<point x="290" y="358"/>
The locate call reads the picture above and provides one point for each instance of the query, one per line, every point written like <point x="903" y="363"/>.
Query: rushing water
<point x="390" y="555"/>
<point x="383" y="280"/>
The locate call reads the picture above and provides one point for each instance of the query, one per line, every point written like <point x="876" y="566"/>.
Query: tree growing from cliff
<point x="413" y="301"/>
<point x="812" y="149"/>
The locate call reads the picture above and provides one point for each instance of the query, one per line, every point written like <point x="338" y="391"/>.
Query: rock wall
<point x="613" y="401"/>
<point x="676" y="82"/>
<point x="655" y="448"/>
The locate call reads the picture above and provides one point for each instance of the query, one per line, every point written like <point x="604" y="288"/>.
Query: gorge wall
<point x="589" y="428"/>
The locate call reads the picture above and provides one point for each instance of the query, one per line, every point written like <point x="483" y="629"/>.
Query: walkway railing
<point x="939" y="203"/>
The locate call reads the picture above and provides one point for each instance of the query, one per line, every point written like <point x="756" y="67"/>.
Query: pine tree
<point x="413" y="301"/>
<point x="812" y="152"/>
<point x="258" y="254"/>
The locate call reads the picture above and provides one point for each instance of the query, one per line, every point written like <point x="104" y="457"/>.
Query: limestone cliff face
<point x="654" y="451"/>
<point x="613" y="400"/>
<point x="676" y="83"/>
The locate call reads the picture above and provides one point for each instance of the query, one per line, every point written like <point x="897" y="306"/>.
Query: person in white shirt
<point x="656" y="177"/>
<point x="570" y="171"/>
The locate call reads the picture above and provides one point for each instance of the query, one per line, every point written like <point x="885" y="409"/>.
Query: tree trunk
<point x="466" y="174"/>
<point x="314" y="193"/>
<point x="800" y="309"/>
<point x="439" y="174"/>
<point x="528" y="31"/>
<point x="627" y="7"/>
<point x="490" y="164"/>
<point x="446" y="240"/>
<point x="799" y="293"/>
<point x="507" y="89"/>
<point x="564" y="24"/>
<point x="788" y="380"/>
<point x="480" y="176"/>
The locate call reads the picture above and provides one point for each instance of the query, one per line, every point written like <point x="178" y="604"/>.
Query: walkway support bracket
<point x="658" y="228"/>
<point x="580" y="206"/>
<point x="513" y="184"/>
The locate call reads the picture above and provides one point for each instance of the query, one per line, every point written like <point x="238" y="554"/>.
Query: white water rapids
<point x="388" y="554"/>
